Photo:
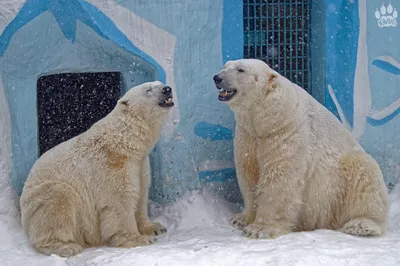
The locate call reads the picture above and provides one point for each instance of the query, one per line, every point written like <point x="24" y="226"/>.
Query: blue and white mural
<point x="184" y="43"/>
<point x="362" y="58"/>
<point x="180" y="42"/>
<point x="48" y="37"/>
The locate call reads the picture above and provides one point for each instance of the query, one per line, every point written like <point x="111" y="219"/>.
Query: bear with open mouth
<point x="92" y="190"/>
<point x="297" y="166"/>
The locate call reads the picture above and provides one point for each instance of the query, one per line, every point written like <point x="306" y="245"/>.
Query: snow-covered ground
<point x="199" y="235"/>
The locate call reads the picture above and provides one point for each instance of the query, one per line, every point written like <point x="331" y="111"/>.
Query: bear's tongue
<point x="168" y="100"/>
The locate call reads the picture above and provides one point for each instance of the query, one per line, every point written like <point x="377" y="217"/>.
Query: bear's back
<point x="326" y="130"/>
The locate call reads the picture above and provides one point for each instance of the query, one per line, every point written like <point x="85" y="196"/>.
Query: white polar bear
<point x="298" y="168"/>
<point x="93" y="189"/>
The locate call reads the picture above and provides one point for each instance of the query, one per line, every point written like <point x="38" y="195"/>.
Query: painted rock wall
<point x="200" y="151"/>
<point x="182" y="43"/>
<point x="363" y="76"/>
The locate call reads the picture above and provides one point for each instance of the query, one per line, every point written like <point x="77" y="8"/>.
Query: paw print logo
<point x="386" y="16"/>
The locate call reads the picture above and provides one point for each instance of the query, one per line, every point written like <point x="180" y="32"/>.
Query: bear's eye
<point x="148" y="90"/>
<point x="241" y="70"/>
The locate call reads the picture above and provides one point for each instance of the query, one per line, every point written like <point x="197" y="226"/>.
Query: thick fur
<point x="93" y="189"/>
<point x="298" y="168"/>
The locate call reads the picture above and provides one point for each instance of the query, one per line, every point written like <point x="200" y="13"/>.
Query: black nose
<point x="166" y="90"/>
<point x="217" y="79"/>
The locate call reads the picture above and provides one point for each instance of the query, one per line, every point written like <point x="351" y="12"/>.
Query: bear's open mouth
<point x="225" y="95"/>
<point x="167" y="102"/>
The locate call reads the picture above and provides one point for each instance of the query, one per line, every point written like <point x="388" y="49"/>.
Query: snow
<point x="200" y="235"/>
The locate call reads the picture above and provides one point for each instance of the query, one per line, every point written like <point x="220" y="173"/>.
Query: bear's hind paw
<point x="363" y="227"/>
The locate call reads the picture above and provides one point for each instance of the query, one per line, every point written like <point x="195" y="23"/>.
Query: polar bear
<point x="298" y="168"/>
<point x="93" y="189"/>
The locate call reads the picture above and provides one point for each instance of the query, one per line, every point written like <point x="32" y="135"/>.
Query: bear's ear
<point x="273" y="80"/>
<point x="123" y="103"/>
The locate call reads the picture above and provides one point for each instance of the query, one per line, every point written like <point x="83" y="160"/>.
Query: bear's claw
<point x="257" y="231"/>
<point x="239" y="221"/>
<point x="153" y="229"/>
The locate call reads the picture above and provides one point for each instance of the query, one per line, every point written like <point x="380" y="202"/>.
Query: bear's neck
<point x="132" y="137"/>
<point x="269" y="114"/>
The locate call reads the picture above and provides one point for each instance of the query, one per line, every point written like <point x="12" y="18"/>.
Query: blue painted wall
<point x="208" y="32"/>
<point x="355" y="62"/>
<point x="341" y="31"/>
<point x="50" y="37"/>
<point x="29" y="56"/>
<point x="362" y="68"/>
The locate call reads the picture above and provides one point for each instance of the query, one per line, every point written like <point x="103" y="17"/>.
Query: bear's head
<point x="150" y="100"/>
<point x="243" y="82"/>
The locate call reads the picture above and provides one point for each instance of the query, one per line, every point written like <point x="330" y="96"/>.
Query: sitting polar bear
<point x="298" y="168"/>
<point x="92" y="189"/>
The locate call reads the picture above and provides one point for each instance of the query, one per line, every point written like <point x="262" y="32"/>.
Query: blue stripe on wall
<point x="217" y="175"/>
<point x="381" y="122"/>
<point x="212" y="131"/>
<point x="232" y="30"/>
<point x="386" y="66"/>
<point x="342" y="29"/>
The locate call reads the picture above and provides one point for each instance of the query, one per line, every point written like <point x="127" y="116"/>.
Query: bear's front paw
<point x="61" y="249"/>
<point x="240" y="221"/>
<point x="257" y="231"/>
<point x="130" y="240"/>
<point x="152" y="229"/>
<point x="262" y="231"/>
<point x="137" y="241"/>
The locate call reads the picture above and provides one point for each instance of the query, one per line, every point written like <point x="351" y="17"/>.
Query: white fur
<point x="297" y="166"/>
<point x="92" y="189"/>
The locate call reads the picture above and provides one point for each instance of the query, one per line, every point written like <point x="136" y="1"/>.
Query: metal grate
<point x="277" y="32"/>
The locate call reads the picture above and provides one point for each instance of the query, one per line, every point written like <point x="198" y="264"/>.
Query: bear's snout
<point x="217" y="79"/>
<point x="166" y="90"/>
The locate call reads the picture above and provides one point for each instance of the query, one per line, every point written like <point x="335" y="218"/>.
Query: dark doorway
<point x="69" y="104"/>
